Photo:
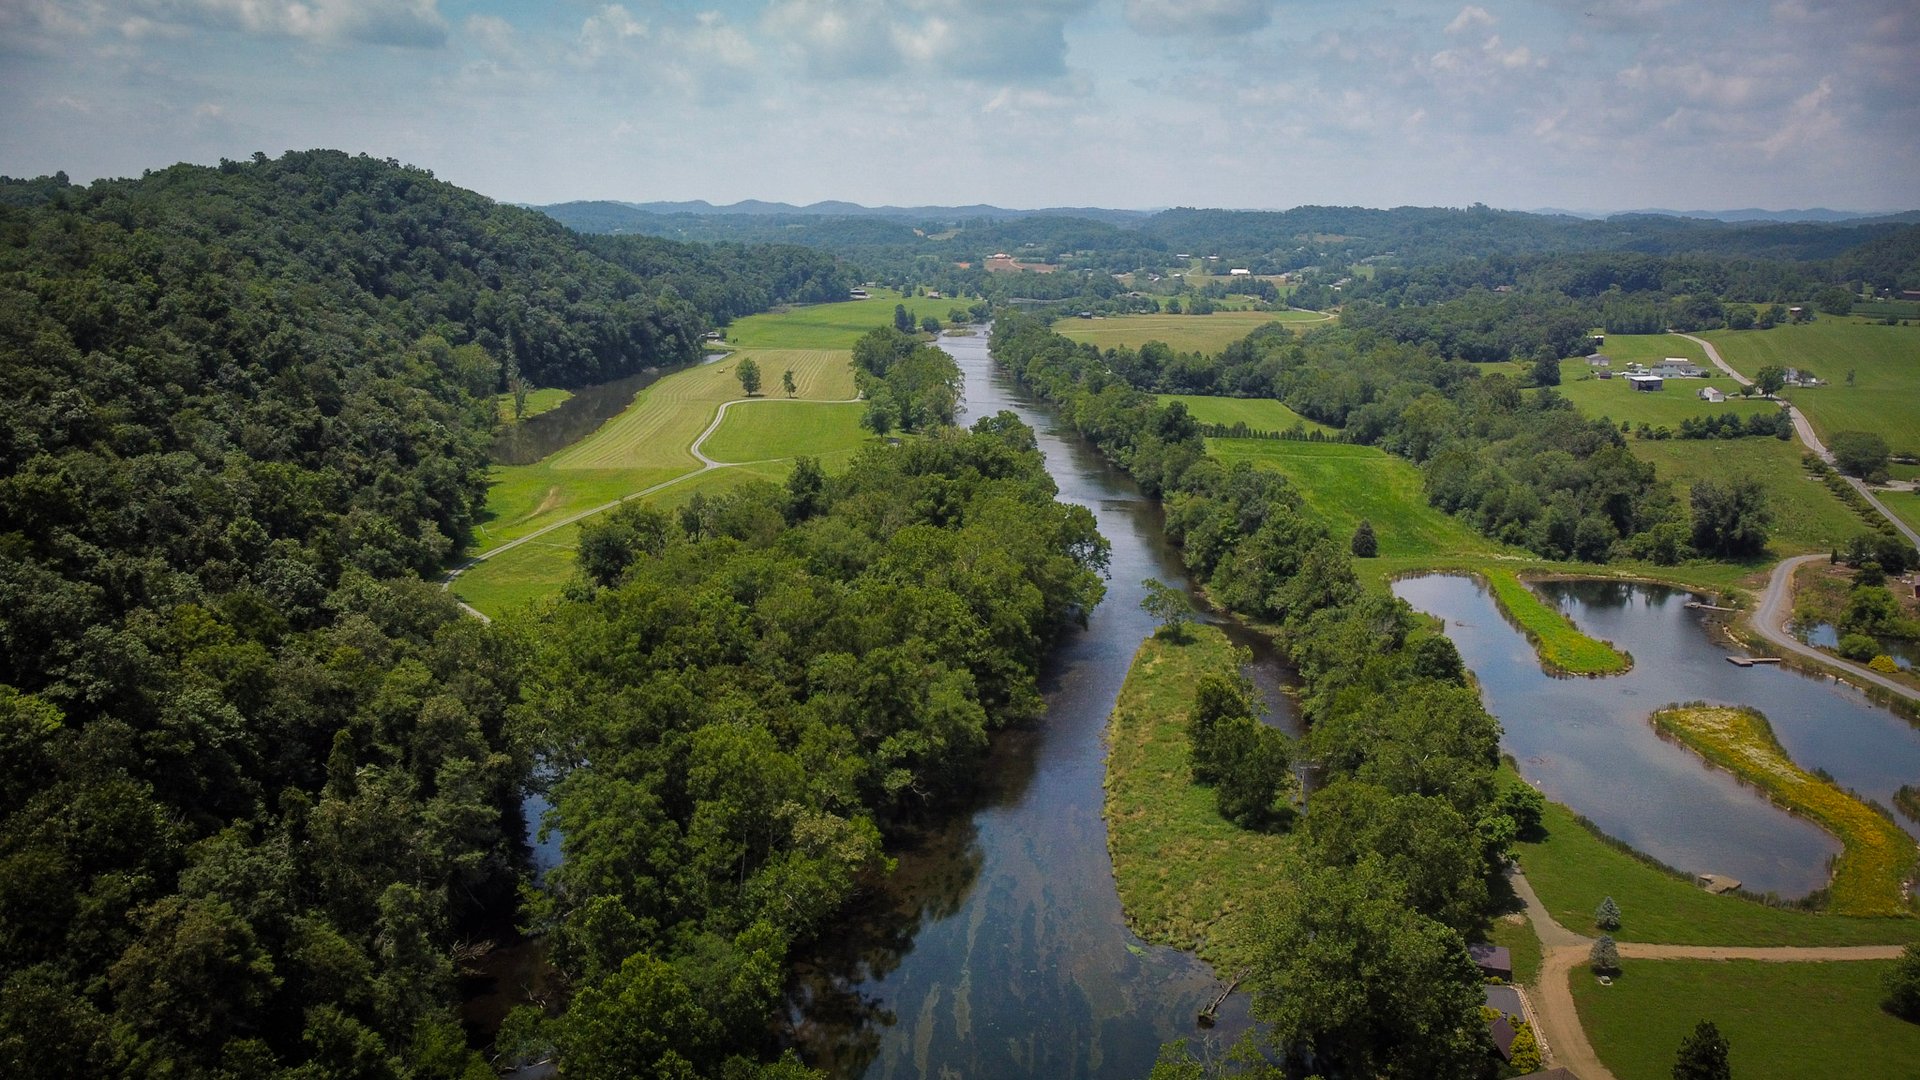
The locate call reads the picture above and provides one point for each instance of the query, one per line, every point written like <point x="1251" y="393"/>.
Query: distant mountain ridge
<point x="836" y="208"/>
<point x="1818" y="214"/>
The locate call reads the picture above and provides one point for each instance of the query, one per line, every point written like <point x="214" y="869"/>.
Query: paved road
<point x="707" y="464"/>
<point x="1800" y="422"/>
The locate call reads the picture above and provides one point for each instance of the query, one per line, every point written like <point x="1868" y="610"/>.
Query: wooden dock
<point x="1749" y="661"/>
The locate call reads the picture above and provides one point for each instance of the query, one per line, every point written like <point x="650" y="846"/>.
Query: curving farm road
<point x="707" y="465"/>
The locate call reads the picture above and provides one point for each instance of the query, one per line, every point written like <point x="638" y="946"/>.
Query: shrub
<point x="1903" y="986"/>
<point x="1858" y="647"/>
<point x="1883" y="664"/>
<point x="1526" y="1050"/>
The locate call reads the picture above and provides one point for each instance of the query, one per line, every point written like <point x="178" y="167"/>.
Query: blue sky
<point x="1586" y="104"/>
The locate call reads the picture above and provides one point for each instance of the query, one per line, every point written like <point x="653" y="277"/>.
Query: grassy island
<point x="1876" y="856"/>
<point x="1185" y="874"/>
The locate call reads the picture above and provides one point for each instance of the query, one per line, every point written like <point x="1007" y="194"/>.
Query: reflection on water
<point x="1587" y="742"/>
<point x="1904" y="654"/>
<point x="999" y="948"/>
<point x="572" y="420"/>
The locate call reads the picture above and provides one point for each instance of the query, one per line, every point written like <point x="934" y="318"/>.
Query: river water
<point x="1587" y="742"/>
<point x="1000" y="949"/>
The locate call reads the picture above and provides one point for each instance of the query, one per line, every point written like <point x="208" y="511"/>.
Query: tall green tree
<point x="749" y="375"/>
<point x="1731" y="518"/>
<point x="1703" y="1055"/>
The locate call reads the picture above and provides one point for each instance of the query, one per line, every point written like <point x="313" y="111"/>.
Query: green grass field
<point x="1263" y="414"/>
<point x="1807" y="517"/>
<point x="1617" y="401"/>
<point x="1885" y="397"/>
<point x="1781" y="1021"/>
<point x="1183" y="333"/>
<point x="1344" y="483"/>
<point x="829" y="326"/>
<point x="1562" y="648"/>
<point x="1183" y="872"/>
<point x="777" y="429"/>
<point x="1572" y="869"/>
<point x="538" y="401"/>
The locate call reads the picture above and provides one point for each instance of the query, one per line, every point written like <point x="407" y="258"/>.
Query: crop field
<point x="1572" y="868"/>
<point x="648" y="443"/>
<point x="1876" y="854"/>
<point x="1885" y="360"/>
<point x="1781" y="1021"/>
<point x="1806" y="515"/>
<point x="1263" y="414"/>
<point x="1343" y="483"/>
<point x="830" y="326"/>
<point x="1182" y="333"/>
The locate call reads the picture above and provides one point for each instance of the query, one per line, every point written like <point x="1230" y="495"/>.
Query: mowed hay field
<point x="647" y="444"/>
<point x="1806" y="516"/>
<point x="778" y="429"/>
<point x="1261" y="414"/>
<point x="1885" y="360"/>
<point x="1182" y="333"/>
<point x="1679" y="399"/>
<point x="1781" y="1021"/>
<point x="1343" y="484"/>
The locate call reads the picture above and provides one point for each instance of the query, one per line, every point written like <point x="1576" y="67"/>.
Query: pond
<point x="1904" y="654"/>
<point x="1587" y="742"/>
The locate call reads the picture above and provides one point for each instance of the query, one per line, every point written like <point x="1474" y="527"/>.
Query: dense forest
<point x="1401" y="852"/>
<point x="261" y="782"/>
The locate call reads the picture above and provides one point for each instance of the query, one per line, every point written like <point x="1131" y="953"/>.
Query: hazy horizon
<point x="1602" y="107"/>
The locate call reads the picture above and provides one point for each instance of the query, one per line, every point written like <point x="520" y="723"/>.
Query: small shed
<point x="1503" y="1035"/>
<point x="1493" y="961"/>
<point x="1712" y="395"/>
<point x="1645" y="382"/>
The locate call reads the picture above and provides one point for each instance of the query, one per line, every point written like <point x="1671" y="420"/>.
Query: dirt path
<point x="1780" y="954"/>
<point x="707" y="465"/>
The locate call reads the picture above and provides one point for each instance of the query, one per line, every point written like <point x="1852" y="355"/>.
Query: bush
<point x="1903" y="986"/>
<point x="1365" y="544"/>
<point x="1605" y="956"/>
<point x="1883" y="664"/>
<point x="1858" y="647"/>
<point x="1526" y="1050"/>
<point x="1607" y="915"/>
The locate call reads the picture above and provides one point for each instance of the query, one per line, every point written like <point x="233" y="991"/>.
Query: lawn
<point x="1184" y="873"/>
<point x="645" y="445"/>
<point x="1343" y="483"/>
<point x="780" y="429"/>
<point x="1572" y="868"/>
<point x="1876" y="855"/>
<point x="1183" y="333"/>
<point x="1261" y="414"/>
<point x="829" y="326"/>
<point x="1885" y="360"/>
<point x="1806" y="516"/>
<point x="1780" y="1021"/>
<point x="1616" y="400"/>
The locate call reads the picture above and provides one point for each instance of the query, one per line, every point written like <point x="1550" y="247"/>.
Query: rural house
<point x="1678" y="367"/>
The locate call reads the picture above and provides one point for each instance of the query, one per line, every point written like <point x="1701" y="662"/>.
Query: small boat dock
<point x="1749" y="661"/>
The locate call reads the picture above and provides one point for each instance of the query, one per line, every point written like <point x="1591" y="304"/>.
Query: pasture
<point x="1182" y="333"/>
<point x="1885" y="360"/>
<point x="1806" y="516"/>
<point x="1263" y="414"/>
<point x="1781" y="1021"/>
<point x="1679" y="399"/>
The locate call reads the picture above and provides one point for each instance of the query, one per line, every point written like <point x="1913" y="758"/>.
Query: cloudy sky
<point x="1586" y="104"/>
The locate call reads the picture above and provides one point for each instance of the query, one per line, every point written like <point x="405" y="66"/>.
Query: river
<point x="1000" y="949"/>
<point x="1587" y="743"/>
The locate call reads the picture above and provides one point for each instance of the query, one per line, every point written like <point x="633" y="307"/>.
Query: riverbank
<point x="1877" y="859"/>
<point x="1185" y="875"/>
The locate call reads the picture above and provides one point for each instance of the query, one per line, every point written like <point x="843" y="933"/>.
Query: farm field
<point x="1182" y="333"/>
<point x="829" y="326"/>
<point x="1781" y="1021"/>
<point x="1572" y="868"/>
<point x="1885" y="361"/>
<point x="1263" y="414"/>
<point x="1807" y="517"/>
<point x="779" y="429"/>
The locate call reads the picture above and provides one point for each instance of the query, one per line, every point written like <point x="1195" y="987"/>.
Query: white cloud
<point x="1198" y="18"/>
<point x="408" y="23"/>
<point x="1806" y="121"/>
<point x="1469" y="18"/>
